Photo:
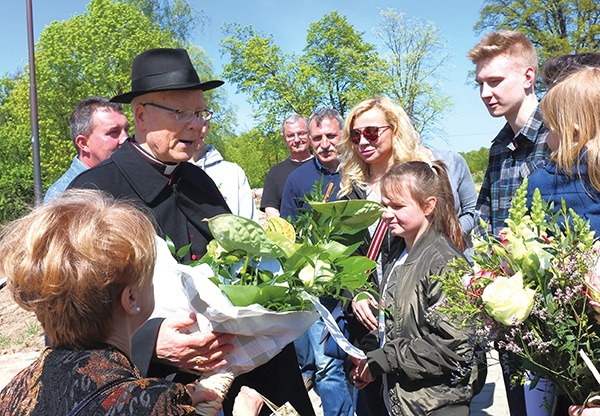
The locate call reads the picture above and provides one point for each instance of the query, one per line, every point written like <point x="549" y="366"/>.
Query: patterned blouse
<point x="60" y="380"/>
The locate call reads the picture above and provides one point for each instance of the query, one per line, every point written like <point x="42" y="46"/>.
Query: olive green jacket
<point x="424" y="349"/>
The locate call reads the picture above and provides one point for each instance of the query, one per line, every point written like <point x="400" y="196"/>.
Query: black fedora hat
<point x="163" y="69"/>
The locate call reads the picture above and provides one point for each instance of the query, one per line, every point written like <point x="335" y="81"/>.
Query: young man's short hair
<point x="508" y="42"/>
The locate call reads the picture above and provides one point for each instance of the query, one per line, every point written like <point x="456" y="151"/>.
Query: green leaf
<point x="334" y="250"/>
<point x="183" y="251"/>
<point x="283" y="242"/>
<point x="362" y="296"/>
<point x="238" y="233"/>
<point x="302" y="256"/>
<point x="357" y="265"/>
<point x="247" y="295"/>
<point x="350" y="216"/>
<point x="170" y="245"/>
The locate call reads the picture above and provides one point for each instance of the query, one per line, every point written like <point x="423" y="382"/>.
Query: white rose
<point x="507" y="301"/>
<point x="322" y="271"/>
<point x="307" y="275"/>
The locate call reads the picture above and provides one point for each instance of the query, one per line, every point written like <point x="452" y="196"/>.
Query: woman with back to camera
<point x="84" y="264"/>
<point x="571" y="111"/>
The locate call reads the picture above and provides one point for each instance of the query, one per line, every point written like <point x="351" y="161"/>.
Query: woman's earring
<point x="138" y="309"/>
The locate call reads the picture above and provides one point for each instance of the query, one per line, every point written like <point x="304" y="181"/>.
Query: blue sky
<point x="468" y="126"/>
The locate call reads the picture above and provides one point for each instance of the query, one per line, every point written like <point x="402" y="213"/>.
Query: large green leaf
<point x="241" y="295"/>
<point x="238" y="233"/>
<point x="349" y="216"/>
<point x="357" y="265"/>
<point x="335" y="250"/>
<point x="283" y="242"/>
<point x="301" y="257"/>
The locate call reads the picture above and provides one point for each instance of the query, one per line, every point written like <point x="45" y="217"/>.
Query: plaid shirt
<point x="512" y="159"/>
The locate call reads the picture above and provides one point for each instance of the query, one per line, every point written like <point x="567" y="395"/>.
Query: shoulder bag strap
<point x="377" y="240"/>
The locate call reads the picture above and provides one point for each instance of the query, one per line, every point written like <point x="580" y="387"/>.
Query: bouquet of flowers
<point x="263" y="284"/>
<point x="536" y="292"/>
<point x="280" y="267"/>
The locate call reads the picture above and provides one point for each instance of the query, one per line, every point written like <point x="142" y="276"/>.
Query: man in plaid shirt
<point x="512" y="159"/>
<point x="506" y="65"/>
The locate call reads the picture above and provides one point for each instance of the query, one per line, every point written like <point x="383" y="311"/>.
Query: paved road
<point x="492" y="399"/>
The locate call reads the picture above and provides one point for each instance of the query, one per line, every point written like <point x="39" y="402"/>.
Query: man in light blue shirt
<point x="98" y="127"/>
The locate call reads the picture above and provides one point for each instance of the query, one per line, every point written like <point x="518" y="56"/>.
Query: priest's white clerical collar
<point x="165" y="168"/>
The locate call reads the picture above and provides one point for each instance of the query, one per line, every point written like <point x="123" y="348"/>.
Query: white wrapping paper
<point x="260" y="333"/>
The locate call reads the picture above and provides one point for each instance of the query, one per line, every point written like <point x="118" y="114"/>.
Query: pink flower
<point x="503" y="236"/>
<point x="506" y="268"/>
<point x="467" y="280"/>
<point x="481" y="273"/>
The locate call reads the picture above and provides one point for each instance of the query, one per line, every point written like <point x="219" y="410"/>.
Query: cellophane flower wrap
<point x="535" y="291"/>
<point x="263" y="282"/>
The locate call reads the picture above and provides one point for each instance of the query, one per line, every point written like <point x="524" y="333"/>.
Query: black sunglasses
<point x="371" y="133"/>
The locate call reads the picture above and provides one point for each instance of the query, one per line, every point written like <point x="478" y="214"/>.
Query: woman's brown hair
<point x="68" y="262"/>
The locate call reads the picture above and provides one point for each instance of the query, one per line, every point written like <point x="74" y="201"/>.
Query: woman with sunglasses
<point x="377" y="135"/>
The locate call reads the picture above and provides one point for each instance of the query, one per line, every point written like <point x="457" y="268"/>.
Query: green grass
<point x="5" y="341"/>
<point x="33" y="328"/>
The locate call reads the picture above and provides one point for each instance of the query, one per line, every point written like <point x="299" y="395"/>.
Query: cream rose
<point x="322" y="271"/>
<point x="507" y="301"/>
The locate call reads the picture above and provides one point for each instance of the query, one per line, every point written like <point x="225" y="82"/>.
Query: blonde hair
<point x="576" y="100"/>
<point x="406" y="143"/>
<point x="423" y="180"/>
<point x="505" y="42"/>
<point x="69" y="261"/>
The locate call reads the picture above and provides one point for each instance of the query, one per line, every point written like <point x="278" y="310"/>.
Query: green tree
<point x="340" y="68"/>
<point x="276" y="86"/>
<point x="7" y="85"/>
<point x="336" y="70"/>
<point x="89" y="54"/>
<point x="267" y="149"/>
<point x="477" y="160"/>
<point x="272" y="79"/>
<point x="556" y="27"/>
<point x="175" y="16"/>
<point x="416" y="56"/>
<point x="16" y="181"/>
